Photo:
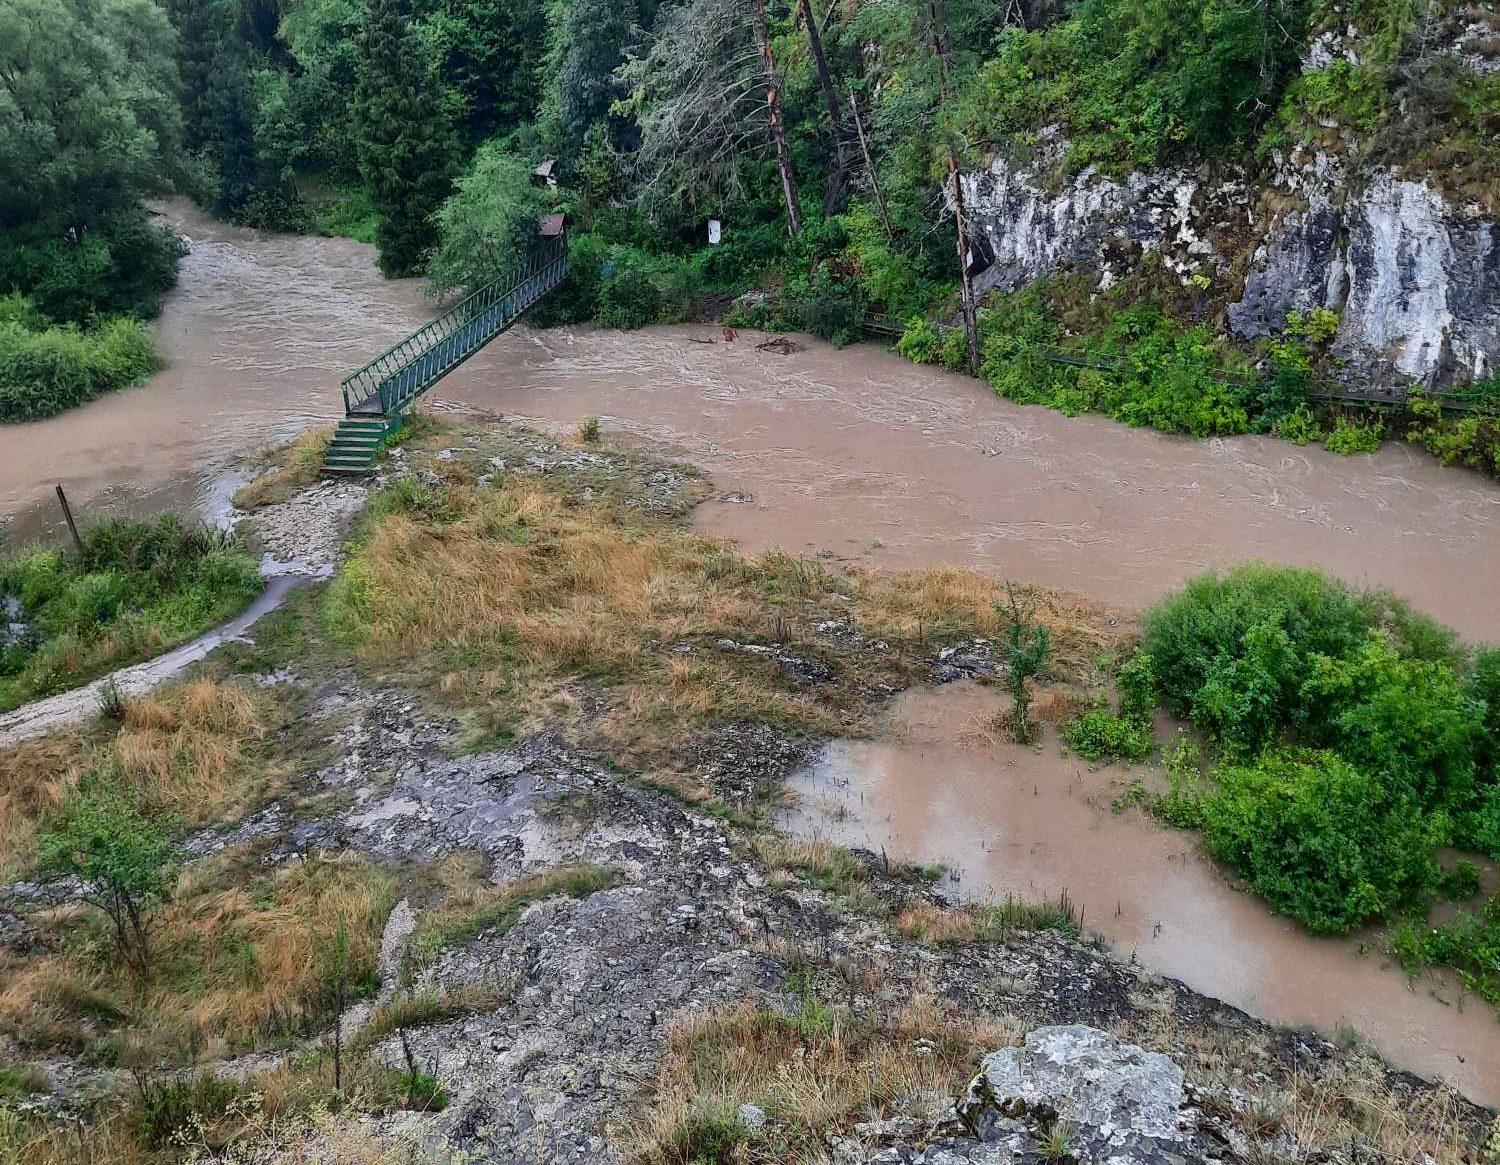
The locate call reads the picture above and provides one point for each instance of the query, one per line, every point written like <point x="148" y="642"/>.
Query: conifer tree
<point x="406" y="141"/>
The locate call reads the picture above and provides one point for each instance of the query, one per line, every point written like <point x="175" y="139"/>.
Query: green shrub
<point x="1101" y="735"/>
<point x="47" y="371"/>
<point x="138" y="587"/>
<point x="1187" y="790"/>
<point x="164" y="1111"/>
<point x="123" y="860"/>
<point x="638" y="288"/>
<point x="1299" y="427"/>
<point x="919" y="342"/>
<point x="1472" y="440"/>
<point x="1134" y="82"/>
<point x="122" y="265"/>
<point x="1138" y="690"/>
<point x="1469" y="943"/>
<point x="1318" y="839"/>
<point x="1230" y="651"/>
<point x="1407" y="721"/>
<point x="1351" y="437"/>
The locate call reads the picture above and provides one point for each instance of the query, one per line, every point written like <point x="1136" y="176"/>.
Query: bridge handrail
<point x="374" y="375"/>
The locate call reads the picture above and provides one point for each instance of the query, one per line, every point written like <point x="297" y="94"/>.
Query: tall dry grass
<point x="186" y="750"/>
<point x="286" y="469"/>
<point x="238" y="962"/>
<point x="816" y="1075"/>
<point x="514" y="589"/>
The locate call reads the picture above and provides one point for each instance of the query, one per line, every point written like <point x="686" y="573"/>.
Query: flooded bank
<point x="862" y="455"/>
<point x="855" y="453"/>
<point x="257" y="334"/>
<point x="1013" y="820"/>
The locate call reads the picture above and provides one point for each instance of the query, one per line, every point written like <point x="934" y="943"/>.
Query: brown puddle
<point x="1009" y="819"/>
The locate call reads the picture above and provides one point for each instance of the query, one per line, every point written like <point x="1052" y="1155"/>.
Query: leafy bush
<point x="1102" y="735"/>
<point x="1472" y="440"/>
<point x="1470" y="943"/>
<point x="1134" y="82"/>
<point x="123" y="265"/>
<point x="49" y="370"/>
<point x="1350" y="437"/>
<point x="1144" y="368"/>
<point x="1319" y="839"/>
<point x="919" y="342"/>
<point x="123" y="860"/>
<point x="1407" y="721"/>
<point x="1299" y="427"/>
<point x="638" y="288"/>
<point x="1360" y="737"/>
<point x="1231" y="651"/>
<point x="137" y="589"/>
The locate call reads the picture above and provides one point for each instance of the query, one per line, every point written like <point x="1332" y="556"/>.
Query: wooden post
<point x="67" y="510"/>
<point x="778" y="129"/>
<point x="859" y="128"/>
<point x="937" y="13"/>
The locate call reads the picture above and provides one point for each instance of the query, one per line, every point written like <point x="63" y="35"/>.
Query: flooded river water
<point x="1012" y="820"/>
<point x="856" y="452"/>
<point x="878" y="461"/>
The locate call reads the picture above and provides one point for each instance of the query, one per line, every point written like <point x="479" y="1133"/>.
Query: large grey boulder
<point x="1080" y="1093"/>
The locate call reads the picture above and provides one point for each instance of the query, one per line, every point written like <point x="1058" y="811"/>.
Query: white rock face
<point x="1097" y="221"/>
<point x="1415" y="280"/>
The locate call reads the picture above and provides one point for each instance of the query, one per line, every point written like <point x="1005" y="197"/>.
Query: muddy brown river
<point x="862" y="455"/>
<point x="1011" y="820"/>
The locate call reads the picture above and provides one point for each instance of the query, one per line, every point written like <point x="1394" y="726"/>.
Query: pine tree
<point x="406" y="142"/>
<point x="587" y="40"/>
<point x="232" y="103"/>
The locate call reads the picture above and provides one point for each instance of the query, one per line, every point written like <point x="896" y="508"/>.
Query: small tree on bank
<point x="125" y="862"/>
<point x="1028" y="645"/>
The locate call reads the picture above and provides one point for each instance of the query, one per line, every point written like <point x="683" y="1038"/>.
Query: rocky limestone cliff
<point x="1414" y="276"/>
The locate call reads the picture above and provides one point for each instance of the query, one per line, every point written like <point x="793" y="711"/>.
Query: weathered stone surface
<point x="1414" y="277"/>
<point x="1076" y="1090"/>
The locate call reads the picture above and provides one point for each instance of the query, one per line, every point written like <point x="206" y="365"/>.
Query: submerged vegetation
<point x="135" y="590"/>
<point x="1355" y="738"/>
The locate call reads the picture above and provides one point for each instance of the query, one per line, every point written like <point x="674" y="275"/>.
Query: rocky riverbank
<point x="584" y="940"/>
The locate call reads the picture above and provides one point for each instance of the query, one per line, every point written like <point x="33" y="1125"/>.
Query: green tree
<point x="586" y="43"/>
<point x="406" y="144"/>
<point x="310" y="109"/>
<point x="489" y="220"/>
<point x="493" y="52"/>
<point x="123" y="861"/>
<point x="89" y="123"/>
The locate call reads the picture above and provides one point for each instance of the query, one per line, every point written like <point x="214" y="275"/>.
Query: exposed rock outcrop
<point x="1414" y="276"/>
<point x="1074" y="1092"/>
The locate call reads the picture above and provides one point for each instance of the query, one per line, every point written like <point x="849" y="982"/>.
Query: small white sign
<point x="714" y="230"/>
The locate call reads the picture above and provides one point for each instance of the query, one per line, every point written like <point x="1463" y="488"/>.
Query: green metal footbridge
<point x="376" y="395"/>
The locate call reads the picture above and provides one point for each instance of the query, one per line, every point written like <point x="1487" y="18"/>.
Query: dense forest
<point x="828" y="137"/>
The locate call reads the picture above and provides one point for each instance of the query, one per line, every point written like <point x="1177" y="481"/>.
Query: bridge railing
<point x="409" y="365"/>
